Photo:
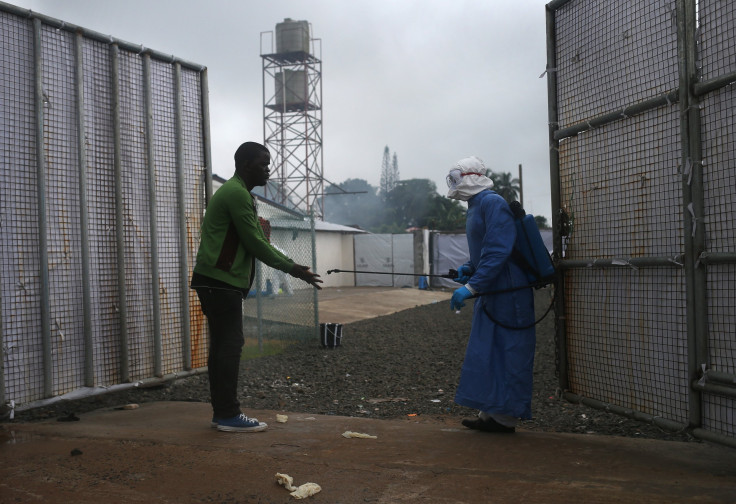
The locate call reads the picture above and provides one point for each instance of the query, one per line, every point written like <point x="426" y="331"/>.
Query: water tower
<point x="292" y="117"/>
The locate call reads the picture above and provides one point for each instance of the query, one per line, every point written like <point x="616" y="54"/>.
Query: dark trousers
<point x="224" y="311"/>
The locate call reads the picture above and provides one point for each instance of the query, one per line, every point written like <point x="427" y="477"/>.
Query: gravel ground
<point x="387" y="367"/>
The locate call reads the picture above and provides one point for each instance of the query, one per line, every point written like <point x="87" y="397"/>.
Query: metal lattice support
<point x="292" y="129"/>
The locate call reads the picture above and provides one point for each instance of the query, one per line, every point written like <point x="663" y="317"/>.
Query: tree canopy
<point x="411" y="203"/>
<point x="505" y="186"/>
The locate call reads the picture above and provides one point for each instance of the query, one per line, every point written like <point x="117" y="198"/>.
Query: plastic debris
<point x="282" y="418"/>
<point x="306" y="490"/>
<point x="351" y="434"/>
<point x="300" y="492"/>
<point x="286" y="481"/>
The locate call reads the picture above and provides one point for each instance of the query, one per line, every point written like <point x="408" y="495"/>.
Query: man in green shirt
<point x="232" y="239"/>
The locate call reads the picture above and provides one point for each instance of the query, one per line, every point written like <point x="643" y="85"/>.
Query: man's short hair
<point x="248" y="152"/>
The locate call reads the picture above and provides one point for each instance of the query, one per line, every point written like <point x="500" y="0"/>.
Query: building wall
<point x="335" y="251"/>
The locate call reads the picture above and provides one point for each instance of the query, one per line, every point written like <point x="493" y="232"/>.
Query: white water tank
<point x="291" y="87"/>
<point x="292" y="36"/>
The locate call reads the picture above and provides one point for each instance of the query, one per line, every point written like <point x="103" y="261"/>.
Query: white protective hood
<point x="467" y="178"/>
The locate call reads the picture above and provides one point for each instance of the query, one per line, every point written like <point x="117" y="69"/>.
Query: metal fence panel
<point x="611" y="55"/>
<point x="717" y="57"/>
<point x="62" y="205"/>
<point x="717" y="21"/>
<point x="621" y="187"/>
<point x="21" y="289"/>
<point x="98" y="122"/>
<point x="627" y="337"/>
<point x="102" y="105"/>
<point x="642" y="129"/>
<point x="194" y="162"/>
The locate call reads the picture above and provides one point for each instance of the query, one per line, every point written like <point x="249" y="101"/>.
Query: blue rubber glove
<point x="458" y="297"/>
<point x="463" y="274"/>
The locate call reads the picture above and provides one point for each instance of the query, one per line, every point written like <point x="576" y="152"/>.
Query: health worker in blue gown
<point x="497" y="372"/>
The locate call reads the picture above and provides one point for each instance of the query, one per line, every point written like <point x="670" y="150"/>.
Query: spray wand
<point x="452" y="274"/>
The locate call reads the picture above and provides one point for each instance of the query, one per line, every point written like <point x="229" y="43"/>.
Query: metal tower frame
<point x="292" y="129"/>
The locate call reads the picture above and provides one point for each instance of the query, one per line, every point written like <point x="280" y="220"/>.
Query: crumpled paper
<point x="300" y="492"/>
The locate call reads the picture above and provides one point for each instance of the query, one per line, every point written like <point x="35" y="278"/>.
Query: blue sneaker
<point x="240" y="423"/>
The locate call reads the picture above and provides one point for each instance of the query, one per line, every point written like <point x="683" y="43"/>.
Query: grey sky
<point x="434" y="80"/>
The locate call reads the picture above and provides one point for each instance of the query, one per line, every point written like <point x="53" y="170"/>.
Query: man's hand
<point x="303" y="273"/>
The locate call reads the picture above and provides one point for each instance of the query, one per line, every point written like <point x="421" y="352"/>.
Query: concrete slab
<point x="166" y="452"/>
<point x="350" y="304"/>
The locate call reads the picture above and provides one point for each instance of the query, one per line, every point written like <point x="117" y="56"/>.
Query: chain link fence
<point x="281" y="309"/>
<point x="642" y="165"/>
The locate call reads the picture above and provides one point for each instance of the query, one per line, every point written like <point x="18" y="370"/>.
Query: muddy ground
<point x="407" y="363"/>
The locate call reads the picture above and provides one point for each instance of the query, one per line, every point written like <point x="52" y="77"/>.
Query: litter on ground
<point x="351" y="434"/>
<point x="300" y="492"/>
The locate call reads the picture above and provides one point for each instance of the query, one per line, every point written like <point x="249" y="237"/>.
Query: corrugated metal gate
<point x="105" y="159"/>
<point x="643" y="168"/>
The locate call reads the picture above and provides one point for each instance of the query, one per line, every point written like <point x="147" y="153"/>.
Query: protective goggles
<point x="456" y="176"/>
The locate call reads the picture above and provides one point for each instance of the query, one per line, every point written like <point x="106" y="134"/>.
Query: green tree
<point x="389" y="173"/>
<point x="353" y="203"/>
<point x="415" y="203"/>
<point x="506" y="187"/>
<point x="412" y="203"/>
<point x="385" y="182"/>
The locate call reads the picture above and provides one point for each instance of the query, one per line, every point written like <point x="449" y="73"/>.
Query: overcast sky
<point x="435" y="80"/>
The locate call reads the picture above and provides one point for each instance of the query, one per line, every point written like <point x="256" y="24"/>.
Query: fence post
<point x="554" y="163"/>
<point x="43" y="248"/>
<point x="89" y="373"/>
<point x="186" y="341"/>
<point x="2" y="352"/>
<point x="692" y="207"/>
<point x="207" y="148"/>
<point x="315" y="292"/>
<point x="152" y="206"/>
<point x="119" y="221"/>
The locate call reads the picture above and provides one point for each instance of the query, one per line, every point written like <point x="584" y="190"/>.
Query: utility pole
<point x="521" y="188"/>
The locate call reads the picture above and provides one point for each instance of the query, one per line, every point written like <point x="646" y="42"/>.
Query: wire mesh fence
<point x="101" y="198"/>
<point x="627" y="333"/>
<point x="281" y="309"/>
<point x="644" y="162"/>
<point x="716" y="58"/>
<point x="622" y="189"/>
<point x="613" y="55"/>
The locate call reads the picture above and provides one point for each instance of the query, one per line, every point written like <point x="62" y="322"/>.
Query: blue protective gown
<point x="497" y="373"/>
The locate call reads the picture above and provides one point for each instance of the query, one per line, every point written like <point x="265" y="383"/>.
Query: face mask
<point x="464" y="185"/>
